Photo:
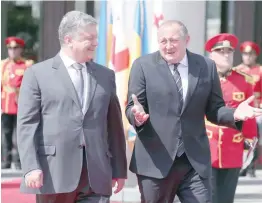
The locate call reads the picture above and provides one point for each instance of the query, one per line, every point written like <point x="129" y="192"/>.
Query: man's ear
<point x="67" y="40"/>
<point x="187" y="39"/>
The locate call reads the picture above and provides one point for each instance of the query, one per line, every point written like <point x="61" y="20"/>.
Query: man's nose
<point x="95" y="43"/>
<point x="169" y="45"/>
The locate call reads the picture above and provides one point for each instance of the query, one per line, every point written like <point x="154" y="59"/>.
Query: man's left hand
<point x="244" y="111"/>
<point x="119" y="184"/>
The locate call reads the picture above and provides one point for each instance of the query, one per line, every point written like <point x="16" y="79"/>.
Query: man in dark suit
<point x="170" y="92"/>
<point x="70" y="133"/>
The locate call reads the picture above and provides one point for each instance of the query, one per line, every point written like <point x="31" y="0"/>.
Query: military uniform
<point x="256" y="72"/>
<point x="12" y="73"/>
<point x="227" y="144"/>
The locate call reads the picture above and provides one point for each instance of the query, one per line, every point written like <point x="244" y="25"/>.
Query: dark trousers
<point x="182" y="181"/>
<point x="9" y="139"/>
<point x="82" y="194"/>
<point x="224" y="184"/>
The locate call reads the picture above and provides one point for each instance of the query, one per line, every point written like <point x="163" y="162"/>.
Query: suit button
<point x="80" y="146"/>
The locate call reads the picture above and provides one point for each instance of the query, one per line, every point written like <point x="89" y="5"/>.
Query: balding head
<point x="176" y="24"/>
<point x="173" y="39"/>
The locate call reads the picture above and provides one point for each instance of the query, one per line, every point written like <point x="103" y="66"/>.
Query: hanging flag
<point x="119" y="60"/>
<point x="103" y="51"/>
<point x="139" y="47"/>
<point x="101" y="54"/>
<point x="143" y="27"/>
<point x="158" y="18"/>
<point x="109" y="36"/>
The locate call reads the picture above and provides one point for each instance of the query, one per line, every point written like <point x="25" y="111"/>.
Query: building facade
<point x="37" y="21"/>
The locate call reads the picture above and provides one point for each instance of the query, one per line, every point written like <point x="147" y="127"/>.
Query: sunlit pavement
<point x="248" y="190"/>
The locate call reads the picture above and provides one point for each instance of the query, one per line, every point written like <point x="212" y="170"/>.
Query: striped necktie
<point x="181" y="148"/>
<point x="179" y="85"/>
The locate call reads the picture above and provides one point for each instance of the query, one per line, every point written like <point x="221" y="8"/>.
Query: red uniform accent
<point x="249" y="46"/>
<point x="256" y="73"/>
<point x="12" y="74"/>
<point x="227" y="144"/>
<point x="14" y="42"/>
<point x="223" y="40"/>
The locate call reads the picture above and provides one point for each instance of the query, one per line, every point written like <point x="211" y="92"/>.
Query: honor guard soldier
<point x="227" y="144"/>
<point x="12" y="70"/>
<point x="250" y="51"/>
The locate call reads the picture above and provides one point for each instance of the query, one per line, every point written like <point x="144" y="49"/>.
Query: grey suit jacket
<point x="51" y="125"/>
<point x="157" y="141"/>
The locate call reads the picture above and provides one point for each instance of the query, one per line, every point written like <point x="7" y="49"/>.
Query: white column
<point x="80" y="6"/>
<point x="4" y="9"/>
<point x="193" y="15"/>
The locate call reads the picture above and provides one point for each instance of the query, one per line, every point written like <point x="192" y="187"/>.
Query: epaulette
<point x="29" y="62"/>
<point x="237" y="67"/>
<point x="248" y="77"/>
<point x="4" y="60"/>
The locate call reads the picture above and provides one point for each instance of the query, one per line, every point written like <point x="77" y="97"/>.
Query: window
<point x="22" y="19"/>
<point x="213" y="18"/>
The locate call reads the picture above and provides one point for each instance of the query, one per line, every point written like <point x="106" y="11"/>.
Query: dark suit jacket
<point x="51" y="126"/>
<point x="157" y="140"/>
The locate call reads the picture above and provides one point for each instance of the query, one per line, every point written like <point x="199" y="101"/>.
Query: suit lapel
<point x="193" y="76"/>
<point x="92" y="83"/>
<point x="65" y="78"/>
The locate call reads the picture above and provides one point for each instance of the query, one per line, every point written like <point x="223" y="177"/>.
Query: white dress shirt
<point x="68" y="62"/>
<point x="183" y="71"/>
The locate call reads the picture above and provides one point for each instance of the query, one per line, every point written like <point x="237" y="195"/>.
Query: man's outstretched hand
<point x="244" y="111"/>
<point x="140" y="115"/>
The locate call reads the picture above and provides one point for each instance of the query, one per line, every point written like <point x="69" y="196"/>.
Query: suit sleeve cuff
<point x="238" y="123"/>
<point x="28" y="173"/>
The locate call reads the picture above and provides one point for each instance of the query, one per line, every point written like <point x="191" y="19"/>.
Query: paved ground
<point x="248" y="190"/>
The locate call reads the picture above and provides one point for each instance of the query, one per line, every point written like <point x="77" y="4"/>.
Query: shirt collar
<point x="68" y="62"/>
<point x="184" y="61"/>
